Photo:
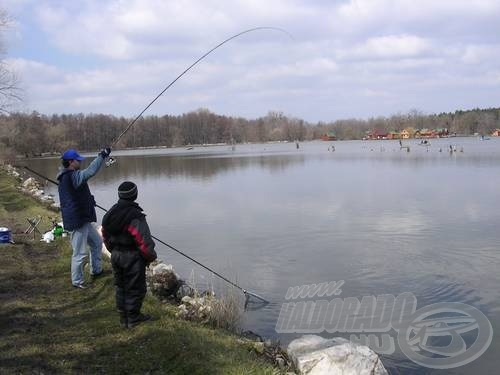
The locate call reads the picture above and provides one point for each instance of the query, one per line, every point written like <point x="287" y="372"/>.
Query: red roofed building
<point x="376" y="134"/>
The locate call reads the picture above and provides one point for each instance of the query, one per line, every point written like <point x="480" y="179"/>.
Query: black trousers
<point x="129" y="270"/>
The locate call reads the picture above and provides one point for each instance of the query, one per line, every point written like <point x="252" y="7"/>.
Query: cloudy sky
<point x="347" y="58"/>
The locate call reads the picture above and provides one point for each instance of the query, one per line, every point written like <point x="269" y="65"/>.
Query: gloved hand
<point x="105" y="152"/>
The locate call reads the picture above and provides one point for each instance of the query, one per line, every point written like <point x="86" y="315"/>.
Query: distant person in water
<point x="78" y="212"/>
<point x="127" y="236"/>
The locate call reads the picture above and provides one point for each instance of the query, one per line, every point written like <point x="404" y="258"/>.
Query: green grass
<point x="47" y="326"/>
<point x="15" y="207"/>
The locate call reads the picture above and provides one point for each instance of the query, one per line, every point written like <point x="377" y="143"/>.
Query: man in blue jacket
<point x="78" y="212"/>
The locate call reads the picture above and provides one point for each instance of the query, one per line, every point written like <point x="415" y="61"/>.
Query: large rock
<point x="161" y="268"/>
<point x="30" y="183"/>
<point x="196" y="308"/>
<point x="11" y="170"/>
<point x="162" y="280"/>
<point x="315" y="355"/>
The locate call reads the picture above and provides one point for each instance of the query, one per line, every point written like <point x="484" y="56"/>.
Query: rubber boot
<point x="138" y="319"/>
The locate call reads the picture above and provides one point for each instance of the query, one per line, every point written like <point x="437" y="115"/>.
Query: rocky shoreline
<point x="32" y="187"/>
<point x="205" y="307"/>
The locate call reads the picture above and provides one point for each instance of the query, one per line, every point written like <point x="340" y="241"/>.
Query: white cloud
<point x="34" y="71"/>
<point x="375" y="93"/>
<point x="390" y="46"/>
<point x="480" y="53"/>
<point x="358" y="15"/>
<point x="13" y="6"/>
<point x="126" y="30"/>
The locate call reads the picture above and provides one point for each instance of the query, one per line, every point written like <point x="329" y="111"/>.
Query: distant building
<point x="330" y="136"/>
<point x="442" y="132"/>
<point x="376" y="134"/>
<point x="393" y="135"/>
<point x="408" y="133"/>
<point x="427" y="133"/>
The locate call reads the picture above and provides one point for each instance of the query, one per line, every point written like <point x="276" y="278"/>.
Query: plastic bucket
<point x="5" y="235"/>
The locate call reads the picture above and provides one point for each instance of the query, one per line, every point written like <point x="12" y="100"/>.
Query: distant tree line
<point x="34" y="134"/>
<point x="470" y="122"/>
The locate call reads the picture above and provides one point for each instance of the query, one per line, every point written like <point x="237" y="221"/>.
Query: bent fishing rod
<point x="115" y="142"/>
<point x="245" y="292"/>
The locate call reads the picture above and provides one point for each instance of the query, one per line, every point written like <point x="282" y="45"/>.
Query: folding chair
<point x="33" y="227"/>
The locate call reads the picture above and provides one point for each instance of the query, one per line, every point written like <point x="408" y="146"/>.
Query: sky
<point x="339" y="58"/>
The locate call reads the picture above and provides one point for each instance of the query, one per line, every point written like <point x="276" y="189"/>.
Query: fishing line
<point x="189" y="68"/>
<point x="115" y="142"/>
<point x="245" y="292"/>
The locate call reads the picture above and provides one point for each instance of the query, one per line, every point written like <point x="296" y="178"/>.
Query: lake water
<point x="271" y="216"/>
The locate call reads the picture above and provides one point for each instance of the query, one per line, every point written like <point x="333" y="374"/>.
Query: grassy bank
<point x="47" y="326"/>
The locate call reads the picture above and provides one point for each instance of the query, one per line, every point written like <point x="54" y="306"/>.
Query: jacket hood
<point x="120" y="215"/>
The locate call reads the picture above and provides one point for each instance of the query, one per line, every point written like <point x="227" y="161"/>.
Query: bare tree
<point x="9" y="84"/>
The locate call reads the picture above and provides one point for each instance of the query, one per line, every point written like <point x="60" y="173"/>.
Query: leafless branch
<point x="10" y="93"/>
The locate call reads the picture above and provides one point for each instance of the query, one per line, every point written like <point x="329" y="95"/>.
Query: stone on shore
<point x="32" y="187"/>
<point x="315" y="355"/>
<point x="162" y="280"/>
<point x="30" y="183"/>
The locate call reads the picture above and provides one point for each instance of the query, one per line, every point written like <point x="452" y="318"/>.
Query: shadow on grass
<point x="90" y="340"/>
<point x="50" y="327"/>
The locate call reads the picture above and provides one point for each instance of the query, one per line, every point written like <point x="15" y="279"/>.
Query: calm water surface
<point x="272" y="216"/>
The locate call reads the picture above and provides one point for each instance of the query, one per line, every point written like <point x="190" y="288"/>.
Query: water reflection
<point x="197" y="167"/>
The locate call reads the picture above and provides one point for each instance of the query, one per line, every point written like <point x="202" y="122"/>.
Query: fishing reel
<point x="110" y="162"/>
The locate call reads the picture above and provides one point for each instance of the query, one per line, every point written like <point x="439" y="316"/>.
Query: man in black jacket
<point x="127" y="236"/>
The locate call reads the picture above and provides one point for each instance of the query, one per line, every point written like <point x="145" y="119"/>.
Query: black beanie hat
<point x="127" y="190"/>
